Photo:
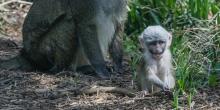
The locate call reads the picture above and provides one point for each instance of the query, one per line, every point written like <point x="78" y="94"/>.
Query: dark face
<point x="156" y="48"/>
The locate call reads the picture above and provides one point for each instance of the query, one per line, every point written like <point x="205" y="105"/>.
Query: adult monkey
<point x="60" y="33"/>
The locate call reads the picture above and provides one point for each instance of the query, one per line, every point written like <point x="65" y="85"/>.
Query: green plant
<point x="176" y="99"/>
<point x="213" y="80"/>
<point x="132" y="49"/>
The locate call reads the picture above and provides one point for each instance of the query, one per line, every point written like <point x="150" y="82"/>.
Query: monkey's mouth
<point x="157" y="56"/>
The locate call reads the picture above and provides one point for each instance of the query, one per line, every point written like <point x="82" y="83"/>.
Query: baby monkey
<point x="154" y="71"/>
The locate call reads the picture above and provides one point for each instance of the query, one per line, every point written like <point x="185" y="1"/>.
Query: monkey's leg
<point x="143" y="84"/>
<point x="153" y="78"/>
<point x="88" y="38"/>
<point x="56" y="48"/>
<point x="61" y="45"/>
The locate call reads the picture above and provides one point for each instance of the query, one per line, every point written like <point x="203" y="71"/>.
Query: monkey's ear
<point x="141" y="40"/>
<point x="170" y="39"/>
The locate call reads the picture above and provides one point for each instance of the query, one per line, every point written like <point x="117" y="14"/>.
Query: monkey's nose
<point x="159" y="51"/>
<point x="157" y="44"/>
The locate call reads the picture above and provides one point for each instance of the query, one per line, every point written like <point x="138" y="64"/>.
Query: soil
<point x="43" y="91"/>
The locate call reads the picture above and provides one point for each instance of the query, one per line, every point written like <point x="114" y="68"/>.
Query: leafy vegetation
<point x="196" y="39"/>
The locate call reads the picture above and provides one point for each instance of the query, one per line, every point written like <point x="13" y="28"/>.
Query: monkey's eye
<point x="156" y="42"/>
<point x="153" y="43"/>
<point x="161" y="42"/>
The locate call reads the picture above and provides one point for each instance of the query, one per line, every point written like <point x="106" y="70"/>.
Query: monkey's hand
<point x="168" y="91"/>
<point x="165" y="88"/>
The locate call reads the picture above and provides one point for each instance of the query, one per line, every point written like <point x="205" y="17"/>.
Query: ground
<point x="36" y="90"/>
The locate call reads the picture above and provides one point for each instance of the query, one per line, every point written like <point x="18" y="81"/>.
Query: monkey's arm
<point x="152" y="77"/>
<point x="90" y="43"/>
<point x="169" y="78"/>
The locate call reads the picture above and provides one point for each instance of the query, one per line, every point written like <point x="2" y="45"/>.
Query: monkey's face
<point x="156" y="48"/>
<point x="155" y="40"/>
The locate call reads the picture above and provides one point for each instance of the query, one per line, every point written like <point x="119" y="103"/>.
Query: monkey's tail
<point x="16" y="63"/>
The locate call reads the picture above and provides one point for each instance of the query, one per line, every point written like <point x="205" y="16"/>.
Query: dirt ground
<point x="37" y="90"/>
<point x="42" y="91"/>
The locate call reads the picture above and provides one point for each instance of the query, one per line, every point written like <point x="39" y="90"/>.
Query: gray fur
<point x="152" y="33"/>
<point x="60" y="33"/>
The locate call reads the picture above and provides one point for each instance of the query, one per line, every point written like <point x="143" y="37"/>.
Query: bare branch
<point x="97" y="89"/>
<point x="12" y="1"/>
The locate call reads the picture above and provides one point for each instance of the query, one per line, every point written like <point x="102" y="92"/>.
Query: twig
<point x="11" y="1"/>
<point x="96" y="89"/>
<point x="18" y="1"/>
<point x="24" y="2"/>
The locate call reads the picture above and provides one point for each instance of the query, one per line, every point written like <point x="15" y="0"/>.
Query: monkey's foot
<point x="56" y="69"/>
<point x="104" y="74"/>
<point x="16" y="63"/>
<point x="86" y="69"/>
<point x="118" y="68"/>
